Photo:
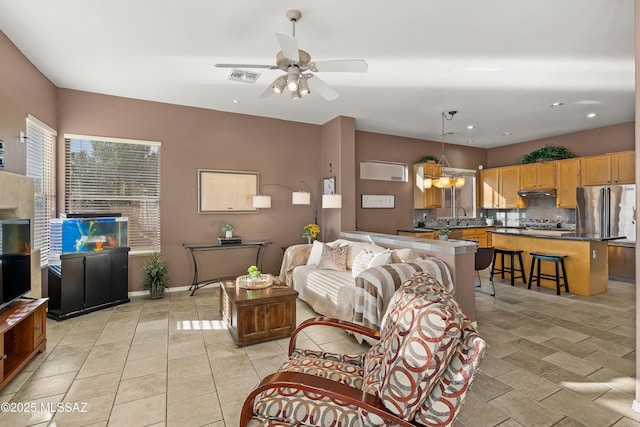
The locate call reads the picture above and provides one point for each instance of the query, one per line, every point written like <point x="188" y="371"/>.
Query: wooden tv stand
<point x="23" y="334"/>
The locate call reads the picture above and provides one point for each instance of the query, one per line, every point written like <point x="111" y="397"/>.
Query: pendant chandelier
<point x="444" y="180"/>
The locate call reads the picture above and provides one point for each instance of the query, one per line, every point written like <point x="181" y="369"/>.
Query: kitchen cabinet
<point x="567" y="179"/>
<point x="538" y="176"/>
<point x="623" y="167"/>
<point x="88" y="281"/>
<point x="419" y="234"/>
<point x="612" y="168"/>
<point x="479" y="234"/>
<point x="425" y="198"/>
<point x="499" y="188"/>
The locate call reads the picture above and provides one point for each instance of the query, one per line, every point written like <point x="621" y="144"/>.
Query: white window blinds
<point x="108" y="175"/>
<point x="41" y="151"/>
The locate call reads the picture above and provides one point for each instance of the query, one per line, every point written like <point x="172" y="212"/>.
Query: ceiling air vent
<point x="243" y="76"/>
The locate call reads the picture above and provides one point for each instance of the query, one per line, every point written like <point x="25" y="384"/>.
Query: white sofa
<point x="360" y="293"/>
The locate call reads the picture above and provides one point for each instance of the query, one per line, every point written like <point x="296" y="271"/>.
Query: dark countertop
<point x="419" y="229"/>
<point x="554" y="234"/>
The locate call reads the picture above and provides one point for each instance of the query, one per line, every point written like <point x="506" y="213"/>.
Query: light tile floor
<point x="551" y="361"/>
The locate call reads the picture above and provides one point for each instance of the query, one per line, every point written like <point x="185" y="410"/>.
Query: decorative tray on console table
<point x="229" y="240"/>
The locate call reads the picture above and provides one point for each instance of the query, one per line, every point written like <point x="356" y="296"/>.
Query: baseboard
<point x="176" y="289"/>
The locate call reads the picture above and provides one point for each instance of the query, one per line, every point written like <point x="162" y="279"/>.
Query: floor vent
<point x="243" y="76"/>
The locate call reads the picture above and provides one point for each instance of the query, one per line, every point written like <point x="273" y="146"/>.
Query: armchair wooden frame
<point x="322" y="386"/>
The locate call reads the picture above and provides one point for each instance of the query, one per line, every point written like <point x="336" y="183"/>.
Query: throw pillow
<point x="361" y="262"/>
<point x="316" y="253"/>
<point x="334" y="258"/>
<point x="380" y="259"/>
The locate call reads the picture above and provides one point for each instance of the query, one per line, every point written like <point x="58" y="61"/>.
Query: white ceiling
<point x="499" y="63"/>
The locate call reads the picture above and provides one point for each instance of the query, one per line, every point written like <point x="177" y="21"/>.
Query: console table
<point x="260" y="245"/>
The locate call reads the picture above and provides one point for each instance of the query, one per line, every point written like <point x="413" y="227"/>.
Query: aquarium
<point x="15" y="259"/>
<point x="87" y="234"/>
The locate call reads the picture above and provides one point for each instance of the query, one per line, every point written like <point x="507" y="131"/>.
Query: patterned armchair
<point x="417" y="374"/>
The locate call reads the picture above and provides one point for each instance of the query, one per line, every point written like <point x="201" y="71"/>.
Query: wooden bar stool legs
<point x="512" y="269"/>
<point x="558" y="260"/>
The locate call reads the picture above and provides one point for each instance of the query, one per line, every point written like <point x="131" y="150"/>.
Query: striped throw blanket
<point x="375" y="286"/>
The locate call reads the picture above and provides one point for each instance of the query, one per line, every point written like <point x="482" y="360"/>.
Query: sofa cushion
<point x="333" y="258"/>
<point x="379" y="259"/>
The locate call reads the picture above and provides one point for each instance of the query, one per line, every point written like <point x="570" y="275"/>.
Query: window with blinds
<point x="109" y="175"/>
<point x="41" y="152"/>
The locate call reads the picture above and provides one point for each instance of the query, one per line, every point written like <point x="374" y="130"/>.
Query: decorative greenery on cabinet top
<point x="425" y="159"/>
<point x="545" y="153"/>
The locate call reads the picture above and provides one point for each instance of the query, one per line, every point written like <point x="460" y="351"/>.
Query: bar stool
<point x="512" y="267"/>
<point x="557" y="259"/>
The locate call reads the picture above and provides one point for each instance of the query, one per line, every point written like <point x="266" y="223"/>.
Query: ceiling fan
<point x="298" y="67"/>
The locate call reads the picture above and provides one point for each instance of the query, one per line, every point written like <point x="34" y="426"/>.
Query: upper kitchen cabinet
<point x="538" y="176"/>
<point x="499" y="188"/>
<point x="623" y="167"/>
<point x="612" y="168"/>
<point x="425" y="198"/>
<point x="567" y="179"/>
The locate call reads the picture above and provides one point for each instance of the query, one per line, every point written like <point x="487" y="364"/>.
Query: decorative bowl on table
<point x="260" y="282"/>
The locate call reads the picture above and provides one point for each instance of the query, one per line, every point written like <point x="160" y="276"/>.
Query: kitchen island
<point x="586" y="255"/>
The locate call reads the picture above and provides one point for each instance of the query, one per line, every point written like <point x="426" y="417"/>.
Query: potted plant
<point x="253" y="271"/>
<point x="544" y="154"/>
<point x="228" y="230"/>
<point x="310" y="231"/>
<point x="443" y="233"/>
<point x="155" y="276"/>
<point x="427" y="158"/>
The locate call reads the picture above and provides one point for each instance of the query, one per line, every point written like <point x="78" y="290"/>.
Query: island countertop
<point x="554" y="234"/>
<point x="586" y="257"/>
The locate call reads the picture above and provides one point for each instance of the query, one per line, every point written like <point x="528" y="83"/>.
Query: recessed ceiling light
<point x="471" y="127"/>
<point x="235" y="101"/>
<point x="507" y="134"/>
<point x="591" y="115"/>
<point x="556" y="104"/>
<point x="470" y="141"/>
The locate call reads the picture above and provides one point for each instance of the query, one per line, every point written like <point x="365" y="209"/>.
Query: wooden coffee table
<point x="254" y="316"/>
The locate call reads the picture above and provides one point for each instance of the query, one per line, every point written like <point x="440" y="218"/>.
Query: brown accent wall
<point x="23" y="90"/>
<point x="375" y="146"/>
<point x="608" y="139"/>
<point x="193" y="138"/>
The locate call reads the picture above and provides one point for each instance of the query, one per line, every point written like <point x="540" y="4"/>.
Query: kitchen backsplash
<point x="539" y="208"/>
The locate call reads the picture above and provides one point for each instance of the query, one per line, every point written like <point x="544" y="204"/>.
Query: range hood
<point x="537" y="193"/>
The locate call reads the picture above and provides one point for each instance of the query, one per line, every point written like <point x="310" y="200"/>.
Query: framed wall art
<point x="226" y="191"/>
<point x="378" y="201"/>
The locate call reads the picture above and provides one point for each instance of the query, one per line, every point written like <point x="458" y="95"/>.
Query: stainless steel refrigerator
<point x="607" y="211"/>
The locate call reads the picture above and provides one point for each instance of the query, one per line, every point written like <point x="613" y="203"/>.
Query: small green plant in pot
<point x="228" y="229"/>
<point x="253" y="271"/>
<point x="155" y="276"/>
<point x="443" y="234"/>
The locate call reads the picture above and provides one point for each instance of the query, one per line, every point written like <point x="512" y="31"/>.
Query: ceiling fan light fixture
<point x="279" y="84"/>
<point x="295" y="94"/>
<point x="303" y="86"/>
<point x="292" y="78"/>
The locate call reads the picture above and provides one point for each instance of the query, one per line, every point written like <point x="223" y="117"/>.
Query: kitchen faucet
<point x="457" y="216"/>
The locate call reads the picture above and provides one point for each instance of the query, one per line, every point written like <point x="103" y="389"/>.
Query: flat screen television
<point x="15" y="259"/>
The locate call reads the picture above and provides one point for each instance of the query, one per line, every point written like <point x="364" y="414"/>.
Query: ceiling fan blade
<point x="266" y="93"/>
<point x="271" y="67"/>
<point x="323" y="89"/>
<point x="343" y="65"/>
<point x="289" y="46"/>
